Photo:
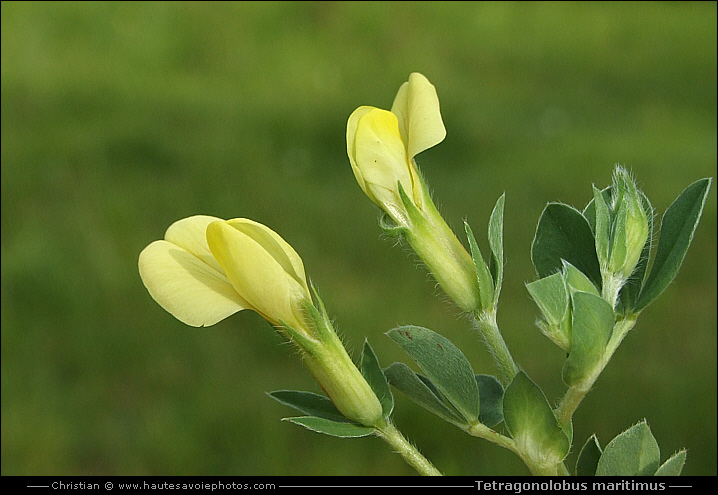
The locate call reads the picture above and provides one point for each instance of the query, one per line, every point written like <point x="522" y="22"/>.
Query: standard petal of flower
<point x="417" y="108"/>
<point x="381" y="156"/>
<point x="191" y="235"/>
<point x="192" y="291"/>
<point x="256" y="275"/>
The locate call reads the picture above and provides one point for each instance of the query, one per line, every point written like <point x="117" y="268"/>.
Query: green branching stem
<point x="574" y="395"/>
<point x="391" y="435"/>
<point x="486" y="322"/>
<point x="482" y="431"/>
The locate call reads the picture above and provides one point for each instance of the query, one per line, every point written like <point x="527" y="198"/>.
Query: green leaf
<point x="444" y="364"/>
<point x="634" y="452"/>
<point x="601" y="226"/>
<point x="563" y="233"/>
<point x="333" y="428"/>
<point x="588" y="457"/>
<point x="371" y="371"/>
<point x="577" y="281"/>
<point x="551" y="297"/>
<point x="592" y="326"/>
<point x="678" y="225"/>
<point x="589" y="212"/>
<point x="619" y="246"/>
<point x="491" y="399"/>
<point x="531" y="422"/>
<point x="309" y="403"/>
<point x="496" y="244"/>
<point x="422" y="391"/>
<point x="486" y="283"/>
<point x="673" y="466"/>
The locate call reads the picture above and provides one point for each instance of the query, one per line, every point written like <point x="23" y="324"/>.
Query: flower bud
<point x="630" y="231"/>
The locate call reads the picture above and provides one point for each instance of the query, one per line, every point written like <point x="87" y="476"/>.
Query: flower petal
<point x="352" y="124"/>
<point x="417" y="108"/>
<point x="257" y="275"/>
<point x="191" y="235"/>
<point x="277" y="247"/>
<point x="191" y="290"/>
<point x="381" y="157"/>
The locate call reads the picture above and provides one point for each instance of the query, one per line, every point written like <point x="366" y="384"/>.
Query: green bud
<point x="630" y="229"/>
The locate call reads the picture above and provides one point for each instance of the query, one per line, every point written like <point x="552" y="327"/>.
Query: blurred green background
<point x="120" y="118"/>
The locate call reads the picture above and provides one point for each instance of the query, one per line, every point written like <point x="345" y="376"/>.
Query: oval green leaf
<point x="634" y="452"/>
<point x="592" y="326"/>
<point x="563" y="233"/>
<point x="372" y="372"/>
<point x="551" y="296"/>
<point x="491" y="400"/>
<point x="673" y="466"/>
<point x="531" y="422"/>
<point x="678" y="225"/>
<point x="444" y="364"/>
<point x="422" y="391"/>
<point x="333" y="428"/>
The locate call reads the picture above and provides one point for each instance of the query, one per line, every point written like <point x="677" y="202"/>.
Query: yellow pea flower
<point x="262" y="268"/>
<point x="382" y="145"/>
<point x="183" y="277"/>
<point x="207" y="269"/>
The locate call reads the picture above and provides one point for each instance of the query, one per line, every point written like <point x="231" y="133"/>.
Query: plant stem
<point x="486" y="323"/>
<point x="482" y="431"/>
<point x="391" y="435"/>
<point x="574" y="395"/>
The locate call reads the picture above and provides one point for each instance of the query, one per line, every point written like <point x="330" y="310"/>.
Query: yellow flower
<point x="382" y="145"/>
<point x="184" y="278"/>
<point x="207" y="269"/>
<point x="263" y="269"/>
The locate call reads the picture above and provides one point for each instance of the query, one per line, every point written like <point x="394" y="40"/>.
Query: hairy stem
<point x="574" y="395"/>
<point x="486" y="322"/>
<point x="482" y="431"/>
<point x="391" y="435"/>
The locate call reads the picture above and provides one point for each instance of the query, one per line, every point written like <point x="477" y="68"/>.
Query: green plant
<point x="593" y="283"/>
